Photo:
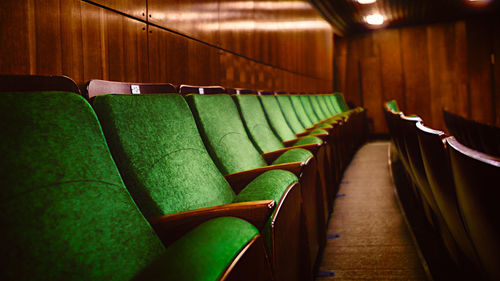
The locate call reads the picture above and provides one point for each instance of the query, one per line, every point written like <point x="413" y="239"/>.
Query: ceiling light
<point x="366" y="1"/>
<point x="374" y="19"/>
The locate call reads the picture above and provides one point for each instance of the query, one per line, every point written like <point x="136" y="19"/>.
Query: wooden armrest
<point x="304" y="133"/>
<point x="172" y="227"/>
<point x="321" y="136"/>
<point x="289" y="143"/>
<point x="273" y="155"/>
<point x="240" y="180"/>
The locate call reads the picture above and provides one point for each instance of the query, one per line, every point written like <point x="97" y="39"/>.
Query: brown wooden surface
<point x="101" y="87"/>
<point x="25" y="83"/>
<point x="240" y="180"/>
<point x="425" y="68"/>
<point x="173" y="226"/>
<point x="251" y="264"/>
<point x="246" y="44"/>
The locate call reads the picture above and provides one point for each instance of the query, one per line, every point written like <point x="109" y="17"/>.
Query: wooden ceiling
<point x="347" y="16"/>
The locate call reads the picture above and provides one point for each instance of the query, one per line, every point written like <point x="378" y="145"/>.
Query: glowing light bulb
<point x="366" y="1"/>
<point x="374" y="19"/>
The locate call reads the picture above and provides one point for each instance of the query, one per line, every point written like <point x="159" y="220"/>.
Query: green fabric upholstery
<point x="269" y="186"/>
<point x="65" y="211"/>
<point x="160" y="154"/>
<point x="393" y="105"/>
<point x="324" y="106"/>
<point x="289" y="113"/>
<point x="335" y="103"/>
<point x="341" y="100"/>
<point x="317" y="108"/>
<point x="318" y="132"/>
<point x="293" y="155"/>
<point x="224" y="133"/>
<point x="329" y="103"/>
<point x="256" y="123"/>
<point x="276" y="118"/>
<point x="306" y="103"/>
<point x="307" y="140"/>
<point x="212" y="249"/>
<point x="301" y="113"/>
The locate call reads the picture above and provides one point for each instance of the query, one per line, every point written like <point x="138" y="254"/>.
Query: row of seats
<point x="146" y="181"/>
<point x="457" y="188"/>
<point x="476" y="135"/>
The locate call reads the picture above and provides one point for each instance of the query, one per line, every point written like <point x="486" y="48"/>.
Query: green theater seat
<point x="167" y="169"/>
<point x="66" y="214"/>
<point x="234" y="153"/>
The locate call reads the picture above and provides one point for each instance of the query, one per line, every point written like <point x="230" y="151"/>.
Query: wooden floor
<point x="373" y="240"/>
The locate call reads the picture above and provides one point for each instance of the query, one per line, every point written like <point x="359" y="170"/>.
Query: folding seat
<point x="66" y="214"/>
<point x="438" y="172"/>
<point x="477" y="177"/>
<point x="167" y="168"/>
<point x="268" y="144"/>
<point x="233" y="152"/>
<point x="408" y="128"/>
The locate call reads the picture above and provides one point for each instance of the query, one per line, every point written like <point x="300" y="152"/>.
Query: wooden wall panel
<point x="416" y="71"/>
<point x="425" y="68"/>
<point x="496" y="71"/>
<point x="391" y="68"/>
<point x="194" y="18"/>
<point x="479" y="53"/>
<point x="272" y="44"/>
<point x="372" y="86"/>
<point x="135" y="8"/>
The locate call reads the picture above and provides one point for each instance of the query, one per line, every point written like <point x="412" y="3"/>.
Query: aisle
<point x="368" y="237"/>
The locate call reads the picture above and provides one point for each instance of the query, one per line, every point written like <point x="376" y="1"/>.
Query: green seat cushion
<point x="158" y="150"/>
<point x="289" y="113"/>
<point x="269" y="186"/>
<point x="328" y="101"/>
<point x="301" y="113"/>
<point x="323" y="125"/>
<point x="204" y="253"/>
<point x="256" y="123"/>
<point x="224" y="133"/>
<point x="293" y="155"/>
<point x="276" y="118"/>
<point x="306" y="103"/>
<point x="65" y="212"/>
<point x="307" y="140"/>
<point x="323" y="104"/>
<point x="318" y="132"/>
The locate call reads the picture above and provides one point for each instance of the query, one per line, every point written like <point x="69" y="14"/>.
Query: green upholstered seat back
<point x="65" y="213"/>
<point x="316" y="107"/>
<point x="256" y="123"/>
<point x="393" y="105"/>
<point x="301" y="113"/>
<point x="324" y="106"/>
<point x="160" y="154"/>
<point x="309" y="109"/>
<point x="341" y="100"/>
<point x="329" y="104"/>
<point x="276" y="118"/>
<point x="335" y="104"/>
<point x="289" y="113"/>
<point x="224" y="133"/>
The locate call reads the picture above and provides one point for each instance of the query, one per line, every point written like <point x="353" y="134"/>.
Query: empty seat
<point x="477" y="177"/>
<point x="67" y="215"/>
<point x="233" y="152"/>
<point x="438" y="172"/>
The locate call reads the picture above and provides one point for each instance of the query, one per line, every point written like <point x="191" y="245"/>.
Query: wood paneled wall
<point x="274" y="45"/>
<point x="425" y="68"/>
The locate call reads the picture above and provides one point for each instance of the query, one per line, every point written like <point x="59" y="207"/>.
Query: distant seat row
<point x="458" y="188"/>
<point x="157" y="183"/>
